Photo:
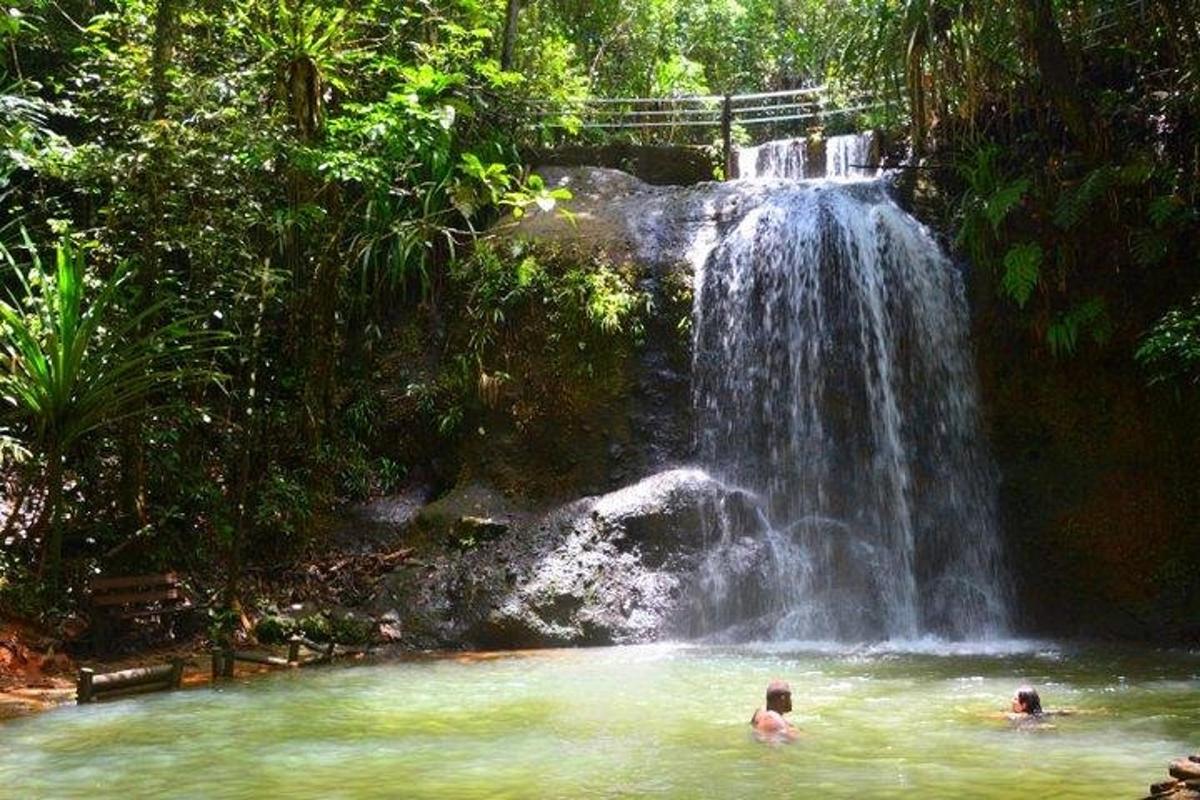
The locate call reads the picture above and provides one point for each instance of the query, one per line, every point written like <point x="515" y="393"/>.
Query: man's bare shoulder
<point x="769" y="721"/>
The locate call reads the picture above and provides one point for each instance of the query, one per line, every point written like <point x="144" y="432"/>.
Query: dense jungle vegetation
<point x="217" y="218"/>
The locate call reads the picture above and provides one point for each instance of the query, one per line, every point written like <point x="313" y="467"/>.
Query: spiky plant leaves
<point x="74" y="365"/>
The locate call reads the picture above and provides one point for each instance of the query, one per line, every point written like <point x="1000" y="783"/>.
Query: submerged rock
<point x="611" y="569"/>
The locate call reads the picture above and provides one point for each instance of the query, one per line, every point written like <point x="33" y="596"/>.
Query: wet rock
<point x="655" y="164"/>
<point x="1184" y="783"/>
<point x="379" y="524"/>
<point x="609" y="569"/>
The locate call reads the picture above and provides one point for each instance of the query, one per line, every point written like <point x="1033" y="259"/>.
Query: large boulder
<point x="616" y="568"/>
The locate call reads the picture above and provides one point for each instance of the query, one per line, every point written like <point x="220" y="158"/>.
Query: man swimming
<point x="770" y="724"/>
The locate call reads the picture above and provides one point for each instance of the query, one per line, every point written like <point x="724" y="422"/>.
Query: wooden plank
<point x="132" y="677"/>
<point x="144" y="688"/>
<point x="134" y="581"/>
<point x="259" y="658"/>
<point x="126" y="598"/>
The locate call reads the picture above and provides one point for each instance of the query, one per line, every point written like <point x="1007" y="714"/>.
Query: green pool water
<point x="655" y="721"/>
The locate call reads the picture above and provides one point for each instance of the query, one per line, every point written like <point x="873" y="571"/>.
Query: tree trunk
<point x="165" y="28"/>
<point x="132" y="442"/>
<point x="1060" y="80"/>
<point x="51" y="565"/>
<point x="250" y="466"/>
<point x="509" y="50"/>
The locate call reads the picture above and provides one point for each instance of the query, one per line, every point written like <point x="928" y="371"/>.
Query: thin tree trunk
<point x="51" y="565"/>
<point x="1060" y="80"/>
<point x="25" y="485"/>
<point x="165" y="27"/>
<point x="508" y="53"/>
<point x="250" y="465"/>
<point x="132" y="441"/>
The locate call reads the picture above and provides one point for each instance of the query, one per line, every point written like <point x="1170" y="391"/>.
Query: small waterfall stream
<point x="849" y="156"/>
<point x="833" y="379"/>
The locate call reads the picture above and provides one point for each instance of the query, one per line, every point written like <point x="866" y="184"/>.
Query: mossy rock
<point x="351" y="629"/>
<point x="316" y="627"/>
<point x="274" y="629"/>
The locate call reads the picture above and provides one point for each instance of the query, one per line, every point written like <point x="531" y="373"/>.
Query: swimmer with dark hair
<point x="1027" y="711"/>
<point x="1026" y="701"/>
<point x="769" y="724"/>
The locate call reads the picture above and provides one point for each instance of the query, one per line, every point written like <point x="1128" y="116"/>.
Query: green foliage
<point x="535" y="319"/>
<point x="68" y="373"/>
<point x="222" y="622"/>
<point x="586" y="303"/>
<point x="1170" y="351"/>
<point x="1088" y="318"/>
<point x="273" y="629"/>
<point x="316" y="627"/>
<point x="351" y="629"/>
<point x="988" y="202"/>
<point x="75" y="365"/>
<point x="310" y="176"/>
<point x="1075" y="202"/>
<point x="285" y="505"/>
<point x="1022" y="271"/>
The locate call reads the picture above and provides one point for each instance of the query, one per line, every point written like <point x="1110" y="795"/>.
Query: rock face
<point x="1097" y="493"/>
<point x="662" y="165"/>
<point x="616" y="568"/>
<point x="1184" y="783"/>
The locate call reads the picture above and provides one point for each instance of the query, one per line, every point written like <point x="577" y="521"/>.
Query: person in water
<point x="1027" y="703"/>
<point x="770" y="723"/>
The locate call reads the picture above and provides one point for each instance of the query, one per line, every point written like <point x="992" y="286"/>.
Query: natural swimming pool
<point x="657" y="721"/>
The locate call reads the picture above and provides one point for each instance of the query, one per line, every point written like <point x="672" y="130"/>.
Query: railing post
<point x="727" y="137"/>
<point x="83" y="686"/>
<point x="294" y="650"/>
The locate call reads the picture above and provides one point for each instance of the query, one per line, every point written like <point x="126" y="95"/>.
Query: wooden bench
<point x="131" y="597"/>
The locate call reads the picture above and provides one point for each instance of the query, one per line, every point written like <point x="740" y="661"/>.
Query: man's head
<point x="779" y="697"/>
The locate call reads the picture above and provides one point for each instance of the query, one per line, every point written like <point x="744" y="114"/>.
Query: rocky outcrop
<point x="662" y="165"/>
<point x="615" y="568"/>
<point x="1184" y="783"/>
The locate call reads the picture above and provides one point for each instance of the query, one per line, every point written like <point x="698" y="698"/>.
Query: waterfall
<point x="783" y="158"/>
<point x="850" y="156"/>
<point x="833" y="379"/>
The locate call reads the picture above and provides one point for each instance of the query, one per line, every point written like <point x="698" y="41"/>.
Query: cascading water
<point x="833" y="380"/>
<point x="850" y="156"/>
